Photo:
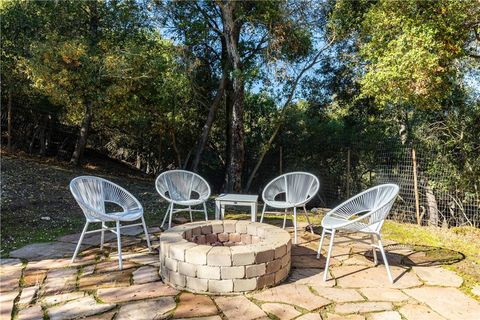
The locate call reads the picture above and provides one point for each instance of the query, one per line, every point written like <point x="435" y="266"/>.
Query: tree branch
<point x="281" y="118"/>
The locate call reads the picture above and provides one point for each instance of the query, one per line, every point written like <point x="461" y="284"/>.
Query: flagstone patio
<point x="38" y="281"/>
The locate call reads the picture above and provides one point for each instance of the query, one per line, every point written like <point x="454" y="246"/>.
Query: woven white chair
<point x="182" y="188"/>
<point x="297" y="189"/>
<point x="91" y="194"/>
<point x="365" y="213"/>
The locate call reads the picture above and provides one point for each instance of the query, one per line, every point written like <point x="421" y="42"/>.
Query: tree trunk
<point x="175" y="149"/>
<point x="34" y="136"/>
<point x="228" y="128"/>
<point x="160" y="164"/>
<point x="9" y="121"/>
<point x="208" y="124"/>
<point x="138" y="161"/>
<point x="43" y="149"/>
<point x="403" y="131"/>
<point x="187" y="159"/>
<point x="232" y="27"/>
<point x="433" y="216"/>
<point x="82" y="139"/>
<point x="93" y="25"/>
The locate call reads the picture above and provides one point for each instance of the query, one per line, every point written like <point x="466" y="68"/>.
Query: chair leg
<point x="119" y="247"/>
<point x="166" y="215"/>
<point x="374" y="250"/>
<point x="332" y="235"/>
<point x="190" y="211"/>
<point x="102" y="236"/>
<point x="263" y="212"/>
<point x="380" y="245"/>
<point x="284" y="219"/>
<point x="205" y="210"/>
<point x="308" y="219"/>
<point x="170" y="217"/>
<point x="80" y="241"/>
<point x="295" y="224"/>
<point x="321" y="244"/>
<point x="146" y="234"/>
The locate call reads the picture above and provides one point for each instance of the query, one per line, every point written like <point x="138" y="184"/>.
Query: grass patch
<point x="465" y="240"/>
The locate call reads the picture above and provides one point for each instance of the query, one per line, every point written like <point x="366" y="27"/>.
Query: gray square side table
<point x="231" y="199"/>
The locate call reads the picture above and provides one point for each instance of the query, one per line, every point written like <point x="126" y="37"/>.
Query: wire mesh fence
<point x="431" y="192"/>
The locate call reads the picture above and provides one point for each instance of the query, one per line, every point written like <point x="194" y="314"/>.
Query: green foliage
<point x="408" y="48"/>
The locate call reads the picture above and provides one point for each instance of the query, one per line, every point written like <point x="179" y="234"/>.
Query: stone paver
<point x="126" y="242"/>
<point x="34" y="277"/>
<point x="239" y="308"/>
<point x="310" y="316"/>
<point x="82" y="307"/>
<point x="309" y="276"/>
<point x="299" y="295"/>
<point x="281" y="311"/>
<point x="146" y="259"/>
<point x="418" y="311"/>
<point x="110" y="266"/>
<point x="194" y="305"/>
<point x="338" y="294"/>
<point x="374" y="277"/>
<point x="9" y="278"/>
<point x="448" y="302"/>
<point x="59" y="298"/>
<point x="309" y="261"/>
<point x="357" y="260"/>
<point x="362" y="307"/>
<point x="386" y="315"/>
<point x="104" y="316"/>
<point x="202" y="318"/>
<point x="31" y="313"/>
<point x="145" y="275"/>
<point x="146" y="310"/>
<point x="438" y="276"/>
<point x="60" y="280"/>
<point x="6" y="304"/>
<point x="92" y="239"/>
<point x="57" y="263"/>
<point x="331" y="316"/>
<point x="135" y="292"/>
<point x="385" y="294"/>
<point x="105" y="280"/>
<point x="45" y="250"/>
<point x="10" y="262"/>
<point x="27" y="294"/>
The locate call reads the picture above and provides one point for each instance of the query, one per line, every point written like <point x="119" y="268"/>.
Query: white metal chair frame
<point x="91" y="194"/>
<point x="364" y="213"/>
<point x="294" y="197"/>
<point x="180" y="192"/>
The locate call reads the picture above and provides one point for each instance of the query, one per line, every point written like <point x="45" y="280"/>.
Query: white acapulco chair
<point x="182" y="188"/>
<point x="365" y="213"/>
<point x="298" y="188"/>
<point x="91" y="194"/>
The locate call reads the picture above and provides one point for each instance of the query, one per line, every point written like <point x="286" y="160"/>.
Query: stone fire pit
<point x="221" y="257"/>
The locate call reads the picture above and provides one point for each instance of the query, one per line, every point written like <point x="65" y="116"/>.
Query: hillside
<point x="36" y="204"/>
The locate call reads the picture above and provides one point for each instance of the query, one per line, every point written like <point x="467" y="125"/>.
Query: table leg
<point x="254" y="212"/>
<point x="217" y="210"/>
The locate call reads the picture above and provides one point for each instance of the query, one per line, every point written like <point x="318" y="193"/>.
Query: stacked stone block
<point x="222" y="257"/>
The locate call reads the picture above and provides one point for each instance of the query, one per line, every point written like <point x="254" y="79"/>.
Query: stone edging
<point x="202" y="268"/>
